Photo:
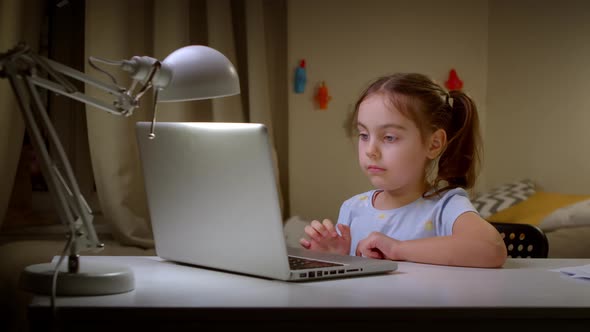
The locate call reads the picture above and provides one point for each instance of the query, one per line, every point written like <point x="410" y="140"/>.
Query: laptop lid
<point x="213" y="198"/>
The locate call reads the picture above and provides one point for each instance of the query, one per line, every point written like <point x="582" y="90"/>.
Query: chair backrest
<point x="523" y="240"/>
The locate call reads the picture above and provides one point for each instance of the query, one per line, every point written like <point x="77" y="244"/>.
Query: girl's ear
<point x="437" y="143"/>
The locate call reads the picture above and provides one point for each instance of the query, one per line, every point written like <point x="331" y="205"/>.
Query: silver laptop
<point x="214" y="203"/>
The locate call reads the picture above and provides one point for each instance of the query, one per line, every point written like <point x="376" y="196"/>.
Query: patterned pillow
<point x="503" y="197"/>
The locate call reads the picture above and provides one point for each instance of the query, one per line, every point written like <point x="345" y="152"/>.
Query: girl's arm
<point x="474" y="243"/>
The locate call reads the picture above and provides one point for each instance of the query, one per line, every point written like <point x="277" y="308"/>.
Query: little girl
<point x="420" y="147"/>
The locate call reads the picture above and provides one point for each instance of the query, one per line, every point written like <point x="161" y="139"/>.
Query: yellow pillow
<point x="536" y="207"/>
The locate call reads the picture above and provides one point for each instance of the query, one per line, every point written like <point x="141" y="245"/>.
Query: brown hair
<point x="431" y="107"/>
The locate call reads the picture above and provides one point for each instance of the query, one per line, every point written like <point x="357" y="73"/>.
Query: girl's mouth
<point x="375" y="169"/>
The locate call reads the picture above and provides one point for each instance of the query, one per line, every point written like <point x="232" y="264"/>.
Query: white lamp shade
<point x="196" y="72"/>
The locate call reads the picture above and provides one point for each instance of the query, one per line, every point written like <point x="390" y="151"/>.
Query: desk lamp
<point x="189" y="73"/>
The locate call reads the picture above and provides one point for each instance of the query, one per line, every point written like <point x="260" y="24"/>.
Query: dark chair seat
<point x="523" y="240"/>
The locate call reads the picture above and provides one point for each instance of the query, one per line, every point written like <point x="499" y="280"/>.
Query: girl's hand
<point x="378" y="245"/>
<point x="323" y="237"/>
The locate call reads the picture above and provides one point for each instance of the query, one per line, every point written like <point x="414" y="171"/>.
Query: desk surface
<point x="522" y="288"/>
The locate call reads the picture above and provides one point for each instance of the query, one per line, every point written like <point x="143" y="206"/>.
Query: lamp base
<point x="92" y="279"/>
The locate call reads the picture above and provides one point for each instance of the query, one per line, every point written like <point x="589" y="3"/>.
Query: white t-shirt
<point x="425" y="217"/>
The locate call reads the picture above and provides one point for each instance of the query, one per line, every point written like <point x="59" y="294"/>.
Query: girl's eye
<point x="390" y="138"/>
<point x="363" y="136"/>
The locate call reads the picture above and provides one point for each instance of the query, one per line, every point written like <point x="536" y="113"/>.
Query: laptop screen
<point x="212" y="195"/>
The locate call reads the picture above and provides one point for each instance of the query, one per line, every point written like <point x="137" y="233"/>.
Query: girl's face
<point x="390" y="149"/>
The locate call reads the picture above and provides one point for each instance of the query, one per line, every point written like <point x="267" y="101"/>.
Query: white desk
<point x="171" y="295"/>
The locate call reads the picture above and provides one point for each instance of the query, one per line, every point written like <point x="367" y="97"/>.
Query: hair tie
<point x="448" y="99"/>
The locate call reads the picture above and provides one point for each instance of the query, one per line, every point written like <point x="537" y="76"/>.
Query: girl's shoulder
<point x="450" y="193"/>
<point x="445" y="197"/>
<point x="453" y="199"/>
<point x="455" y="192"/>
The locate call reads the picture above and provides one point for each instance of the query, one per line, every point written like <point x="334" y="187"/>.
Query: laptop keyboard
<point x="298" y="263"/>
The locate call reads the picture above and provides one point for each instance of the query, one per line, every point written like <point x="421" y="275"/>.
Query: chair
<point x="523" y="240"/>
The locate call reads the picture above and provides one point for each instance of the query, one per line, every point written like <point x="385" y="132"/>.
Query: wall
<point x="348" y="43"/>
<point x="538" y="94"/>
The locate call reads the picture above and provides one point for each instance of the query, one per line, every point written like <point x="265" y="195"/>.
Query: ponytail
<point x="459" y="163"/>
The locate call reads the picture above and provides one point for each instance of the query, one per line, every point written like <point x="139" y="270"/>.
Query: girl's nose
<point x="372" y="150"/>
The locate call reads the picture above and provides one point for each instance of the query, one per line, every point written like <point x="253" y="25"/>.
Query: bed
<point x="564" y="217"/>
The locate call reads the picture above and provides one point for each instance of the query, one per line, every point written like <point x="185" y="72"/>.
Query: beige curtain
<point x="16" y="24"/>
<point x="121" y="29"/>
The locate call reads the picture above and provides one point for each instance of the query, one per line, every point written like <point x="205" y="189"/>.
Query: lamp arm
<point x="79" y="215"/>
<point x="76" y="95"/>
<point x="22" y="67"/>
<point x="70" y="204"/>
<point x="123" y="105"/>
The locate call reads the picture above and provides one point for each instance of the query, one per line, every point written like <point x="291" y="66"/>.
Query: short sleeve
<point x="344" y="215"/>
<point x="454" y="203"/>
